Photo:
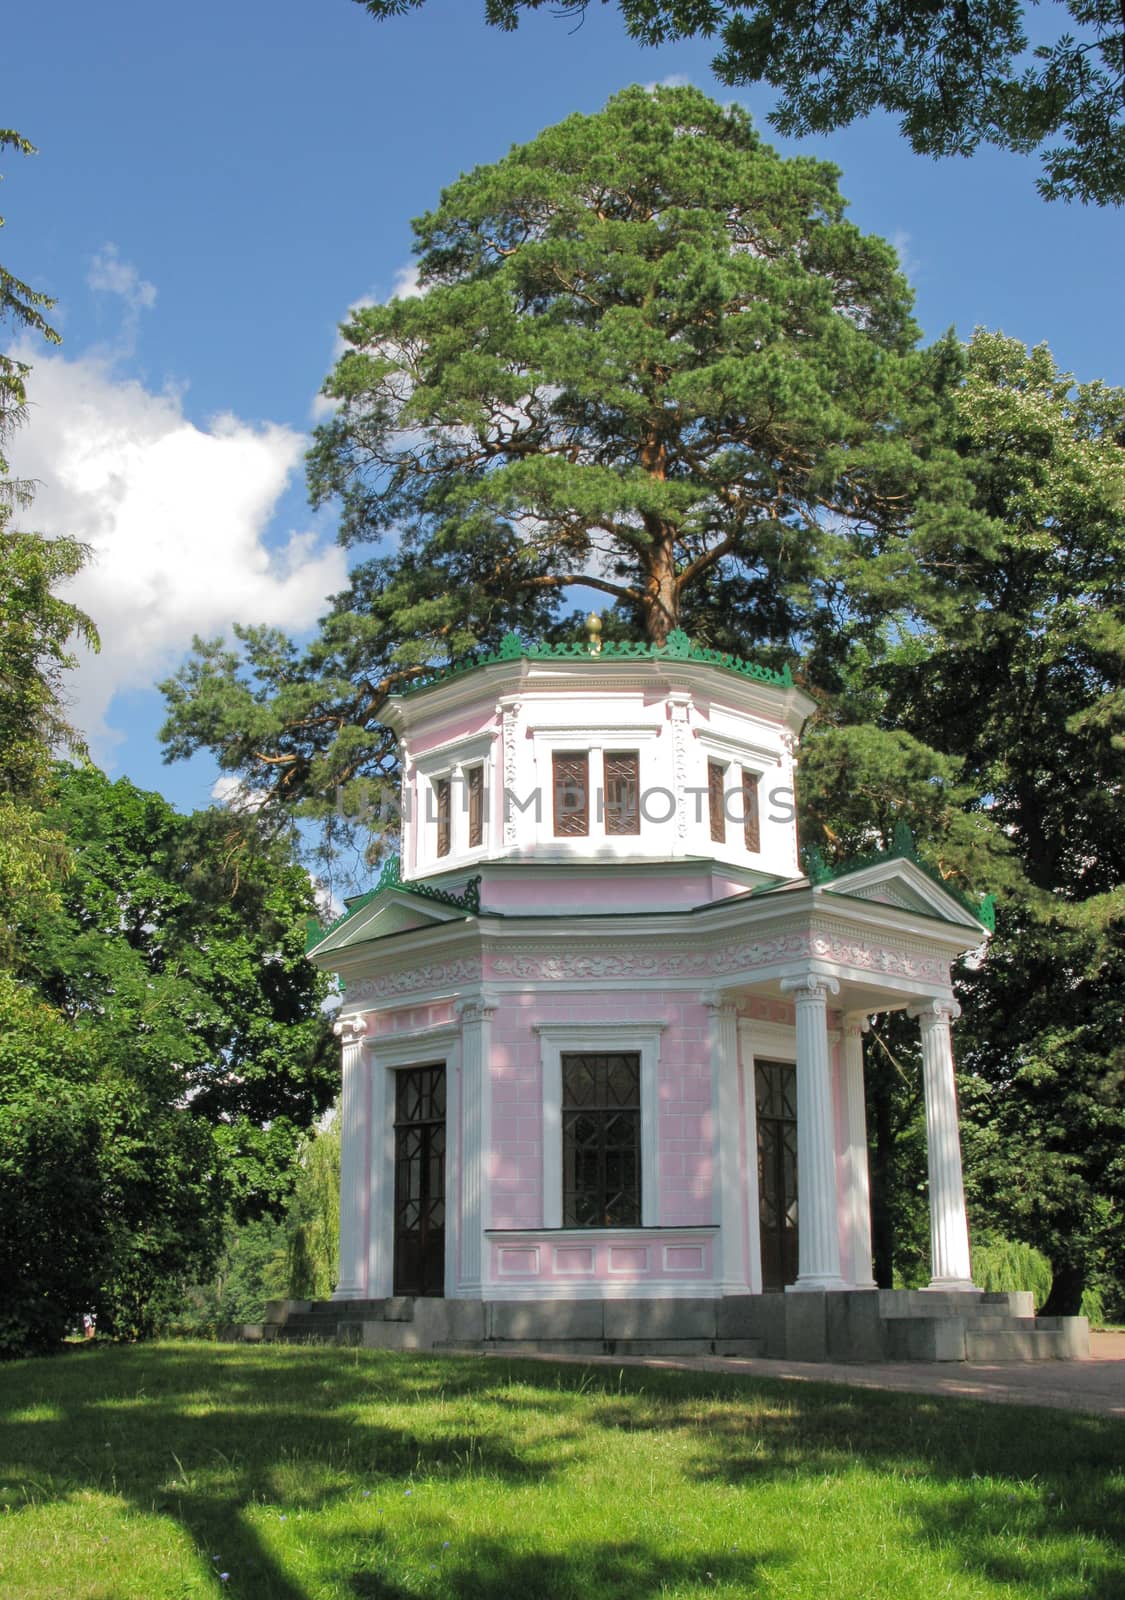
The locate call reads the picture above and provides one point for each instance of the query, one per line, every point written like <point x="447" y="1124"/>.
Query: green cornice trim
<point x="903" y="848"/>
<point x="677" y="647"/>
<point x="391" y="877"/>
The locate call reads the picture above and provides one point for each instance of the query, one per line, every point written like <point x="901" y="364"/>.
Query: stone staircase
<point x="927" y="1325"/>
<point x="856" y="1325"/>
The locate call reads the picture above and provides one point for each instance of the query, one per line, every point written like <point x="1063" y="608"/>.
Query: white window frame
<point x="551" y="739"/>
<point x="450" y="761"/>
<point x="557" y="1039"/>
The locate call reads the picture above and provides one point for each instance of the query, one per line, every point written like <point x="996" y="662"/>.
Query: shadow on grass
<point x="627" y="1571"/>
<point x="210" y="1436"/>
<point x="201" y="1435"/>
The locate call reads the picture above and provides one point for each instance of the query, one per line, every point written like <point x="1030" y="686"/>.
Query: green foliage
<point x="164" y="1048"/>
<point x="52" y="1222"/>
<point x="24" y="307"/>
<point x="250" y="1270"/>
<point x="179" y="948"/>
<point x="313" y="1220"/>
<point x="651" y="358"/>
<point x="955" y="76"/>
<point x="1001" y="1266"/>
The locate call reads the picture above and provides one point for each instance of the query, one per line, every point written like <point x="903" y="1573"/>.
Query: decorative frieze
<point x="561" y="966"/>
<point x="410" y="980"/>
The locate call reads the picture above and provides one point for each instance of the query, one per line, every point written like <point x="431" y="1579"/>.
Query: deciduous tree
<point x="957" y="76"/>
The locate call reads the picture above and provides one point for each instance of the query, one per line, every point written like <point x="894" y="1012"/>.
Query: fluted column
<point x="476" y="1028"/>
<point x="817" y="1219"/>
<point x="354" y="1160"/>
<point x="949" y="1225"/>
<point x="855" y="1164"/>
<point x="730" y="1198"/>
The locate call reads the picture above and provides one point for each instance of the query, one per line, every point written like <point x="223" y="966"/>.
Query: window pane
<point x="474" y="780"/>
<point x="716" y="784"/>
<point x="572" y="788"/>
<point x="441" y="795"/>
<point x="622" y="812"/>
<point x="751" y="827"/>
<point x="601" y="1132"/>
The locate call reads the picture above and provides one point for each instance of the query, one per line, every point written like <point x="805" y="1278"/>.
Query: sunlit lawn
<point x="302" y="1474"/>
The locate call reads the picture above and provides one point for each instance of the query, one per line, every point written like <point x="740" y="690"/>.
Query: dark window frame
<point x="443" y="800"/>
<point x="601" y="1112"/>
<point x="570" y="821"/>
<point x="622" y="818"/>
<point x="717" y="800"/>
<point x="751" y="811"/>
<point x="474" y="805"/>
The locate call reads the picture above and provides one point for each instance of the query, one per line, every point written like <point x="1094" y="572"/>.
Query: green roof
<point x="391" y="877"/>
<point x="677" y="647"/>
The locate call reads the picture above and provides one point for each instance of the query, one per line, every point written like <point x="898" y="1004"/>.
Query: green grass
<point x="308" y="1473"/>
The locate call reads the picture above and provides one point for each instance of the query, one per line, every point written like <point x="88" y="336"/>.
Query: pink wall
<point x="685" y="1129"/>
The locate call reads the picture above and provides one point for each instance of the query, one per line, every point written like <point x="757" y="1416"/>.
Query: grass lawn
<point x="288" y="1473"/>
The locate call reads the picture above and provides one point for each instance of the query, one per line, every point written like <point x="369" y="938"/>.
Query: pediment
<point x="901" y="883"/>
<point x="384" y="913"/>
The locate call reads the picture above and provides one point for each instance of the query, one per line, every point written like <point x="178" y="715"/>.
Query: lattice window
<point x="751" y="814"/>
<point x="622" y="792"/>
<point x="442" y="799"/>
<point x="601" y="1132"/>
<point x="716" y="800"/>
<point x="474" y="784"/>
<point x="571" y="773"/>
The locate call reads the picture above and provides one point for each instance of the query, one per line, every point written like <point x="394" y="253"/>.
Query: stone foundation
<point x="854" y="1325"/>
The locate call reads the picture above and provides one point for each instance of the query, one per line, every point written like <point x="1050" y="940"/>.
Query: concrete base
<point x="862" y="1325"/>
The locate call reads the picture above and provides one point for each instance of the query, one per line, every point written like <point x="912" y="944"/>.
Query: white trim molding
<point x="557" y="1038"/>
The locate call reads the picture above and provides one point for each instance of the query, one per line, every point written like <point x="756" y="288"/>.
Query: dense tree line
<point x="653" y="359"/>
<point x="162" y="1043"/>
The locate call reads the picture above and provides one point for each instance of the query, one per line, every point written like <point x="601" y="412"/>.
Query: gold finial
<point x="593" y="632"/>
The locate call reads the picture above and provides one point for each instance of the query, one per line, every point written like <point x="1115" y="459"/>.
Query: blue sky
<point x="217" y="183"/>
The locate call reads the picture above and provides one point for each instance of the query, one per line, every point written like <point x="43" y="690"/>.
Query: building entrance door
<point x="420" y="1181"/>
<point x="775" y="1094"/>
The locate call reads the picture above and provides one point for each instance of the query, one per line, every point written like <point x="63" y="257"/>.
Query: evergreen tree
<point x="651" y="358"/>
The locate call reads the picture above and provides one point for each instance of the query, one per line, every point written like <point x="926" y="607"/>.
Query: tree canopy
<point x="651" y="358"/>
<point x="957" y="76"/>
<point x="164" y="1042"/>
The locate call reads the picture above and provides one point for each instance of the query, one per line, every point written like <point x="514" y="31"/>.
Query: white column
<point x="855" y="1163"/>
<point x="730" y="1196"/>
<point x="354" y="1160"/>
<point x="817" y="1218"/>
<point x="476" y="1029"/>
<point x="949" y="1225"/>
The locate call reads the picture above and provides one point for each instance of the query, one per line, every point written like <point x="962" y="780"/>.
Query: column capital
<point x="856" y="1022"/>
<point x="811" y="986"/>
<point x="935" y="1010"/>
<point x="722" y="1004"/>
<point x="475" y="1008"/>
<point x="351" y="1029"/>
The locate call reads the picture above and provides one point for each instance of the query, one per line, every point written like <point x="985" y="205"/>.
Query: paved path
<point x="1097" y="1385"/>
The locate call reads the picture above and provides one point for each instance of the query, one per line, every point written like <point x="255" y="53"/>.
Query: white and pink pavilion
<point x="602" y="1036"/>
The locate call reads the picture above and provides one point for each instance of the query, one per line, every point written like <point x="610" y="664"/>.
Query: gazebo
<point x="602" y="1033"/>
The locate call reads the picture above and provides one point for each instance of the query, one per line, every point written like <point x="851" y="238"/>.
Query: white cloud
<point x="110" y="275"/>
<point x="237" y="796"/>
<point x="674" y="80"/>
<point x="908" y="262"/>
<point x="176" y="518"/>
<point x="404" y="287"/>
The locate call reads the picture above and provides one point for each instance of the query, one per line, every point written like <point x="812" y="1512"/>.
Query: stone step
<point x="1029" y="1343"/>
<point x="745" y="1348"/>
